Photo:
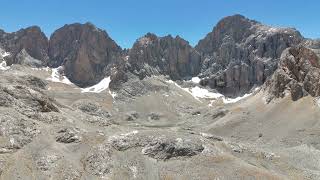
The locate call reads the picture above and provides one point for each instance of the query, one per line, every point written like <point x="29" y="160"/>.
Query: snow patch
<point x="101" y="86"/>
<point x="185" y="89"/>
<point x="234" y="100"/>
<point x="41" y="69"/>
<point x="57" y="77"/>
<point x="5" y="54"/>
<point x="113" y="94"/>
<point x="202" y="93"/>
<point x="196" y="80"/>
<point x="3" y="66"/>
<point x="198" y="92"/>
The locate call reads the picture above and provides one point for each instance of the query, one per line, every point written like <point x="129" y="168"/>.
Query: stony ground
<point x="152" y="129"/>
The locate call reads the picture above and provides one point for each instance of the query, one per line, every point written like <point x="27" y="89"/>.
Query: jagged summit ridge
<point x="237" y="55"/>
<point x="85" y="52"/>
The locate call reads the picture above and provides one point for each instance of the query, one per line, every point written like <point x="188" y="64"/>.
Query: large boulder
<point x="298" y="74"/>
<point x="85" y="51"/>
<point x="240" y="53"/>
<point x="30" y="43"/>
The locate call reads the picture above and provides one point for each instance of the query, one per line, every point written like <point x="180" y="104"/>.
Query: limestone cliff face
<point x="85" y="51"/>
<point x="298" y="74"/>
<point x="240" y="53"/>
<point x="31" y="41"/>
<point x="152" y="55"/>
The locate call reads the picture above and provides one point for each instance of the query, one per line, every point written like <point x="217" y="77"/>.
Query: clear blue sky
<point x="126" y="20"/>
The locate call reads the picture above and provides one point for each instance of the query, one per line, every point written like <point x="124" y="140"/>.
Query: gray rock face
<point x="240" y="53"/>
<point x="24" y="58"/>
<point x="31" y="41"/>
<point x="152" y="55"/>
<point x="237" y="55"/>
<point x="85" y="51"/>
<point x="298" y="73"/>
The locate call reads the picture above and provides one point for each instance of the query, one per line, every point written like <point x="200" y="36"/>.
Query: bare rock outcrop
<point x="164" y="149"/>
<point x="298" y="74"/>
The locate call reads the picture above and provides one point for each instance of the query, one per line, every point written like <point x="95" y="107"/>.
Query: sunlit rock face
<point x="240" y="53"/>
<point x="152" y="55"/>
<point x="28" y="42"/>
<point x="85" y="51"/>
<point x="298" y="73"/>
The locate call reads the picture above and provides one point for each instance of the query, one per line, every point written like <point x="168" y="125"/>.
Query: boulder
<point x="68" y="135"/>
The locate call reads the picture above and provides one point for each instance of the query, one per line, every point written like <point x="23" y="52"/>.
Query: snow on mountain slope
<point x="3" y="64"/>
<point x="57" y="77"/>
<point x="201" y="93"/>
<point x="101" y="86"/>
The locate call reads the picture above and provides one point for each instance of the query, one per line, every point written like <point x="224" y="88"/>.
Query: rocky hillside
<point x="155" y="119"/>
<point x="52" y="130"/>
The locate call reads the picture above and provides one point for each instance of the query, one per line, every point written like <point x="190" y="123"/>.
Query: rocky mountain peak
<point x="240" y="53"/>
<point x="235" y="27"/>
<point x="147" y="39"/>
<point x="152" y="55"/>
<point x="237" y="55"/>
<point x="31" y="39"/>
<point x="31" y="29"/>
<point x="85" y="51"/>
